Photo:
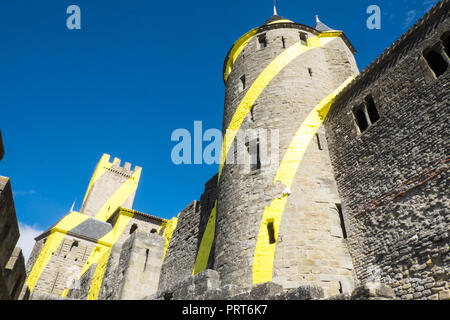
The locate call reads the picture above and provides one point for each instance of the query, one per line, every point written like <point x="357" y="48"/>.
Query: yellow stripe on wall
<point x="258" y="86"/>
<point x="119" y="197"/>
<point x="264" y="251"/>
<point x="102" y="167"/>
<point x="52" y="243"/>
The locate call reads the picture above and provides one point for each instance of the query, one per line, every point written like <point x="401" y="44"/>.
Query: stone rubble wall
<point x="393" y="178"/>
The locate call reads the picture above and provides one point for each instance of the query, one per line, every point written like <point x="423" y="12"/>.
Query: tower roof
<point x="276" y="18"/>
<point x="320" y="26"/>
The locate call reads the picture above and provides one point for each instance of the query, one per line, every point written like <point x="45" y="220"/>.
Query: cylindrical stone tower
<point x="267" y="229"/>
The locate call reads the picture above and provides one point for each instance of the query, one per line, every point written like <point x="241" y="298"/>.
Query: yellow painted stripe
<point x="255" y="90"/>
<point x="242" y="110"/>
<point x="119" y="197"/>
<point x="99" y="273"/>
<point x="201" y="261"/>
<point x="264" y="251"/>
<point x="167" y="234"/>
<point x="282" y="21"/>
<point x="102" y="166"/>
<point x="236" y="50"/>
<point x="102" y="251"/>
<point x="53" y="241"/>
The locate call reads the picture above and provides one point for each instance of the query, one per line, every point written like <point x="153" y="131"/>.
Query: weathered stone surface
<point x="373" y="291"/>
<point x="309" y="292"/>
<point x="393" y="177"/>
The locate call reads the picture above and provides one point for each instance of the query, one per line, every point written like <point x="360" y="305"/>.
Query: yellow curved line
<point x="100" y="254"/>
<point x="264" y="251"/>
<point x="119" y="197"/>
<point x="255" y="90"/>
<point x="102" y="166"/>
<point x="244" y="107"/>
<point x="282" y="21"/>
<point x="236" y="50"/>
<point x="52" y="243"/>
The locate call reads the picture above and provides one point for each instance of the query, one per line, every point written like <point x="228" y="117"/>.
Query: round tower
<point x="281" y="220"/>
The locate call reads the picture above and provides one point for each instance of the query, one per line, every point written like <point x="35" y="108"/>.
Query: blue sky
<point x="136" y="71"/>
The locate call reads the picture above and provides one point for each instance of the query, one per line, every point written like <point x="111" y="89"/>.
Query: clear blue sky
<point x="136" y="71"/>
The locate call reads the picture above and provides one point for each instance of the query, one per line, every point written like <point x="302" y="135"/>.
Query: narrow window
<point x="252" y="116"/>
<point x="146" y="258"/>
<point x="283" y="40"/>
<point x="361" y="119"/>
<point x="153" y="231"/>
<point x="271" y="233"/>
<point x="73" y="246"/>
<point x="262" y="41"/>
<point x="255" y="160"/>
<point x="133" y="228"/>
<point x="318" y="141"/>
<point x="303" y="38"/>
<point x="341" y="217"/>
<point x="446" y="43"/>
<point x="435" y="61"/>
<point x="310" y="72"/>
<point x="243" y="83"/>
<point x="372" y="109"/>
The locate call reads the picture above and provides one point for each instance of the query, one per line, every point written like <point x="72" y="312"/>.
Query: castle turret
<point x="112" y="186"/>
<point x="278" y="213"/>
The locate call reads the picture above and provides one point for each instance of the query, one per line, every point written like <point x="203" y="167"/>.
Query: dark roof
<point x="320" y="26"/>
<point x="91" y="229"/>
<point x="273" y="19"/>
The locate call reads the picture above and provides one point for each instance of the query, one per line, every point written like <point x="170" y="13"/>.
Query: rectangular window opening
<point x="435" y="61"/>
<point x="243" y="82"/>
<point x="262" y="41"/>
<point x="361" y="119"/>
<point x="283" y="40"/>
<point x="303" y="38"/>
<point x="271" y="232"/>
<point x="255" y="160"/>
<point x="372" y="109"/>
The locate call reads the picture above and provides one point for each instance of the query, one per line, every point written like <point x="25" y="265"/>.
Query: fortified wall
<point x="12" y="263"/>
<point x="389" y="145"/>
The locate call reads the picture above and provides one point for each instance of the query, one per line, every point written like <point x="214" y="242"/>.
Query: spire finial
<point x="274" y="8"/>
<point x="317" y="18"/>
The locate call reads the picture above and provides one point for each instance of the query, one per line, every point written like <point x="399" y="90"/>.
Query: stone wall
<point x="64" y="266"/>
<point x="9" y="228"/>
<point x="132" y="271"/>
<point x="182" y="250"/>
<point x="393" y="177"/>
<point x="12" y="265"/>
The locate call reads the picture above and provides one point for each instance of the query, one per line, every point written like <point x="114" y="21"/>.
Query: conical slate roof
<point x="274" y="18"/>
<point x="320" y="26"/>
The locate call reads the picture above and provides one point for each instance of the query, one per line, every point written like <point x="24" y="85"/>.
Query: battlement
<point x="123" y="170"/>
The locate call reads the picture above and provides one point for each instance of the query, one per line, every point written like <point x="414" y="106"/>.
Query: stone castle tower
<point x="282" y="222"/>
<point x="82" y="241"/>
